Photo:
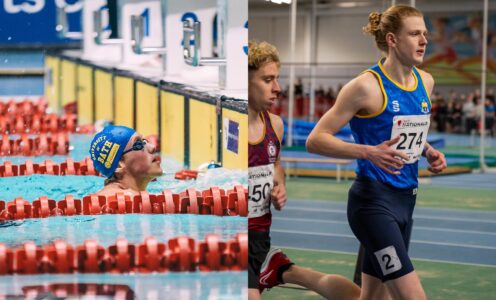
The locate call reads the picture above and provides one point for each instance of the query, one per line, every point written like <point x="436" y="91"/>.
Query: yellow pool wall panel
<point x="202" y="133"/>
<point x="68" y="81"/>
<point x="124" y="101"/>
<point x="52" y="82"/>
<point x="103" y="96"/>
<point x="146" y="109"/>
<point x="84" y="94"/>
<point x="234" y="139"/>
<point x="172" y="125"/>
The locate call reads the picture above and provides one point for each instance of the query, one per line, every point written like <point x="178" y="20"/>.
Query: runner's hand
<point x="387" y="158"/>
<point x="437" y="161"/>
<point x="278" y="195"/>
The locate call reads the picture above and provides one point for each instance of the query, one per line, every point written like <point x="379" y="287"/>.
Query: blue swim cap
<point x="107" y="147"/>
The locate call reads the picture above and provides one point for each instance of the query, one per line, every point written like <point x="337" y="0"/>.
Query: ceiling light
<point x="279" y="1"/>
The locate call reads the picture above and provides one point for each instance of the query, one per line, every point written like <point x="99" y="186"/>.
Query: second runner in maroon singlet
<point x="262" y="156"/>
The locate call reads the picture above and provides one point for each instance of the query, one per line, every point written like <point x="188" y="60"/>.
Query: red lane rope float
<point x="38" y="123"/>
<point x="24" y="107"/>
<point x="186" y="175"/>
<point x="64" y="290"/>
<point x="213" y="201"/>
<point x="180" y="254"/>
<point x="68" y="167"/>
<point x="44" y="144"/>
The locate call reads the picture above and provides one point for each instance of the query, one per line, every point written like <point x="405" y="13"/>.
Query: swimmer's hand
<point x="278" y="195"/>
<point x="437" y="161"/>
<point x="385" y="157"/>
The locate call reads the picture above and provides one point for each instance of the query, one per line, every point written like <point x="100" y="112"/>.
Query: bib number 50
<point x="259" y="192"/>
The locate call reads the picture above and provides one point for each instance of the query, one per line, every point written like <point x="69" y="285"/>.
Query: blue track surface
<point x="449" y="235"/>
<point x="474" y="180"/>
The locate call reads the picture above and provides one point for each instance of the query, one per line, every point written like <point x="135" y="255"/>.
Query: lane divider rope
<point x="43" y="144"/>
<point x="214" y="201"/>
<point x="179" y="254"/>
<point x="68" y="167"/>
<point x="36" y="123"/>
<point x="48" y="167"/>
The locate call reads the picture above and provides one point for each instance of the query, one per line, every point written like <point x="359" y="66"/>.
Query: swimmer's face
<point x="144" y="162"/>
<point x="411" y="41"/>
<point x="263" y="87"/>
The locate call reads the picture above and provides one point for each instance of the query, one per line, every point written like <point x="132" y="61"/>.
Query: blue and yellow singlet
<point x="405" y="113"/>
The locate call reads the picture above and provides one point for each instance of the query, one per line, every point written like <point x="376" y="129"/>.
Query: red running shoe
<point x="274" y="261"/>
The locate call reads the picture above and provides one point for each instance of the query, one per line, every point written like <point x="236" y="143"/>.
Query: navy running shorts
<point x="258" y="247"/>
<point x="380" y="216"/>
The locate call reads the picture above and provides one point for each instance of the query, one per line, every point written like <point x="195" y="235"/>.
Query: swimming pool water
<point x="173" y="286"/>
<point x="105" y="229"/>
<point x="56" y="187"/>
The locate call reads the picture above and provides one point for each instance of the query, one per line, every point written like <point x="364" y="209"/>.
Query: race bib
<point x="412" y="131"/>
<point x="260" y="184"/>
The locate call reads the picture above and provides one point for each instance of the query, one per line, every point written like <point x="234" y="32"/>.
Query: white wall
<point x="341" y="40"/>
<point x="276" y="29"/>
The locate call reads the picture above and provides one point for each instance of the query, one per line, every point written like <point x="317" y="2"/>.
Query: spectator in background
<point x="441" y="114"/>
<point x="457" y="118"/>
<point x="330" y="93"/>
<point x="490" y="94"/>
<point x="299" y="87"/>
<point x="320" y="92"/>
<point x="490" y="110"/>
<point x="469" y="114"/>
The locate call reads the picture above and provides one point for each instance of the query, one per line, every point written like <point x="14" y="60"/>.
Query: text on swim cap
<point x="107" y="153"/>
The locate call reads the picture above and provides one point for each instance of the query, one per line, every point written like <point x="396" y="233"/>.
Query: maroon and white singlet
<point x="261" y="158"/>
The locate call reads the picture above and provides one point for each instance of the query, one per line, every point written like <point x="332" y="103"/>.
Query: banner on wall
<point x="454" y="52"/>
<point x="231" y="135"/>
<point x="33" y="22"/>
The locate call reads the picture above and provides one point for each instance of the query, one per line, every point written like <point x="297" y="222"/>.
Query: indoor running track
<point x="448" y="235"/>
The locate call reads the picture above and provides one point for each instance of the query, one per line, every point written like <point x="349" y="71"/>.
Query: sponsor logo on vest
<point x="272" y="151"/>
<point x="425" y="107"/>
<point x="396" y="106"/>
